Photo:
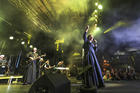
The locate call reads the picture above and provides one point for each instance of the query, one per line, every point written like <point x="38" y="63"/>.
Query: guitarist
<point x="31" y="69"/>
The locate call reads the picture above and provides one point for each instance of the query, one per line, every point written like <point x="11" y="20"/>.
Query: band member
<point x="73" y="70"/>
<point x="47" y="65"/>
<point x="93" y="76"/>
<point x="60" y="64"/>
<point x="2" y="58"/>
<point x="3" y="64"/>
<point x="31" y="69"/>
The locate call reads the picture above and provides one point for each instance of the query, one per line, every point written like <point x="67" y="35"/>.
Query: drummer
<point x="2" y="57"/>
<point x="3" y="65"/>
<point x="60" y="64"/>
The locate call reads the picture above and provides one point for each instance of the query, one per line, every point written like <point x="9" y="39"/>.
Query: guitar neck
<point x="32" y="58"/>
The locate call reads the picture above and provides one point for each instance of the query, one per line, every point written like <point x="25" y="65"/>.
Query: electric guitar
<point x="35" y="58"/>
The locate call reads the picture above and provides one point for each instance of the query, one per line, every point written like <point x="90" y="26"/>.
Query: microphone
<point x="95" y="42"/>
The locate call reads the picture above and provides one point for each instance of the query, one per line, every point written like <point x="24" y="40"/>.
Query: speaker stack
<point x="51" y="83"/>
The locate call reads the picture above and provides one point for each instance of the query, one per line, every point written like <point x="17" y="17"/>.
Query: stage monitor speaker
<point x="51" y="83"/>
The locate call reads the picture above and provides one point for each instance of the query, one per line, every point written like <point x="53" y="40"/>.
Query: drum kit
<point x="3" y="65"/>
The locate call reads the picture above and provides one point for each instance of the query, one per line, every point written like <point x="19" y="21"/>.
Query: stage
<point x="111" y="87"/>
<point x="10" y="79"/>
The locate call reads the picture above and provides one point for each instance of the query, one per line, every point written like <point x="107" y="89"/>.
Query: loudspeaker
<point x="88" y="90"/>
<point x="51" y="83"/>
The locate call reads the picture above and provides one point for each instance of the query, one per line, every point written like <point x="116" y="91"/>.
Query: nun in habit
<point x="93" y="76"/>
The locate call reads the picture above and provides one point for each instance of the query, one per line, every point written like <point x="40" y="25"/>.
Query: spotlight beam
<point x="5" y="21"/>
<point x="118" y="24"/>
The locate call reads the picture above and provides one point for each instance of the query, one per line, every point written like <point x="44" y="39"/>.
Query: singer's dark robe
<point x="31" y="69"/>
<point x="93" y="76"/>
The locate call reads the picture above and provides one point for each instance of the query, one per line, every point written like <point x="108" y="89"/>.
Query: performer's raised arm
<point x="85" y="33"/>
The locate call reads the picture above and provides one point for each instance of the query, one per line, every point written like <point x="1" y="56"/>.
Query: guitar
<point x="49" y="66"/>
<point x="39" y="57"/>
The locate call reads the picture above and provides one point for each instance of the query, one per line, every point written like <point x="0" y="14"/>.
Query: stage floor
<point x="111" y="87"/>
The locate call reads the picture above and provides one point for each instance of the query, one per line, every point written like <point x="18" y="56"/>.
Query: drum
<point x="3" y="65"/>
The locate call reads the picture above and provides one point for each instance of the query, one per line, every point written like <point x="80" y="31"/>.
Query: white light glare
<point x="96" y="3"/>
<point x="95" y="11"/>
<point x="11" y="37"/>
<point x="31" y="46"/>
<point x="100" y="6"/>
<point x="22" y="42"/>
<point x="97" y="28"/>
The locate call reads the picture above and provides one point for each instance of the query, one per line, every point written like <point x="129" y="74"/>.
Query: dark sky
<point x="120" y="10"/>
<point x="114" y="11"/>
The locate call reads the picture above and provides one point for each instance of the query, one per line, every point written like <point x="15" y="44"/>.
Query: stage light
<point x="95" y="11"/>
<point x="96" y="3"/>
<point x="96" y="20"/>
<point x="118" y="24"/>
<point x="96" y="16"/>
<point x="100" y="7"/>
<point x="98" y="29"/>
<point x="31" y="46"/>
<point x="22" y="42"/>
<point x="11" y="37"/>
